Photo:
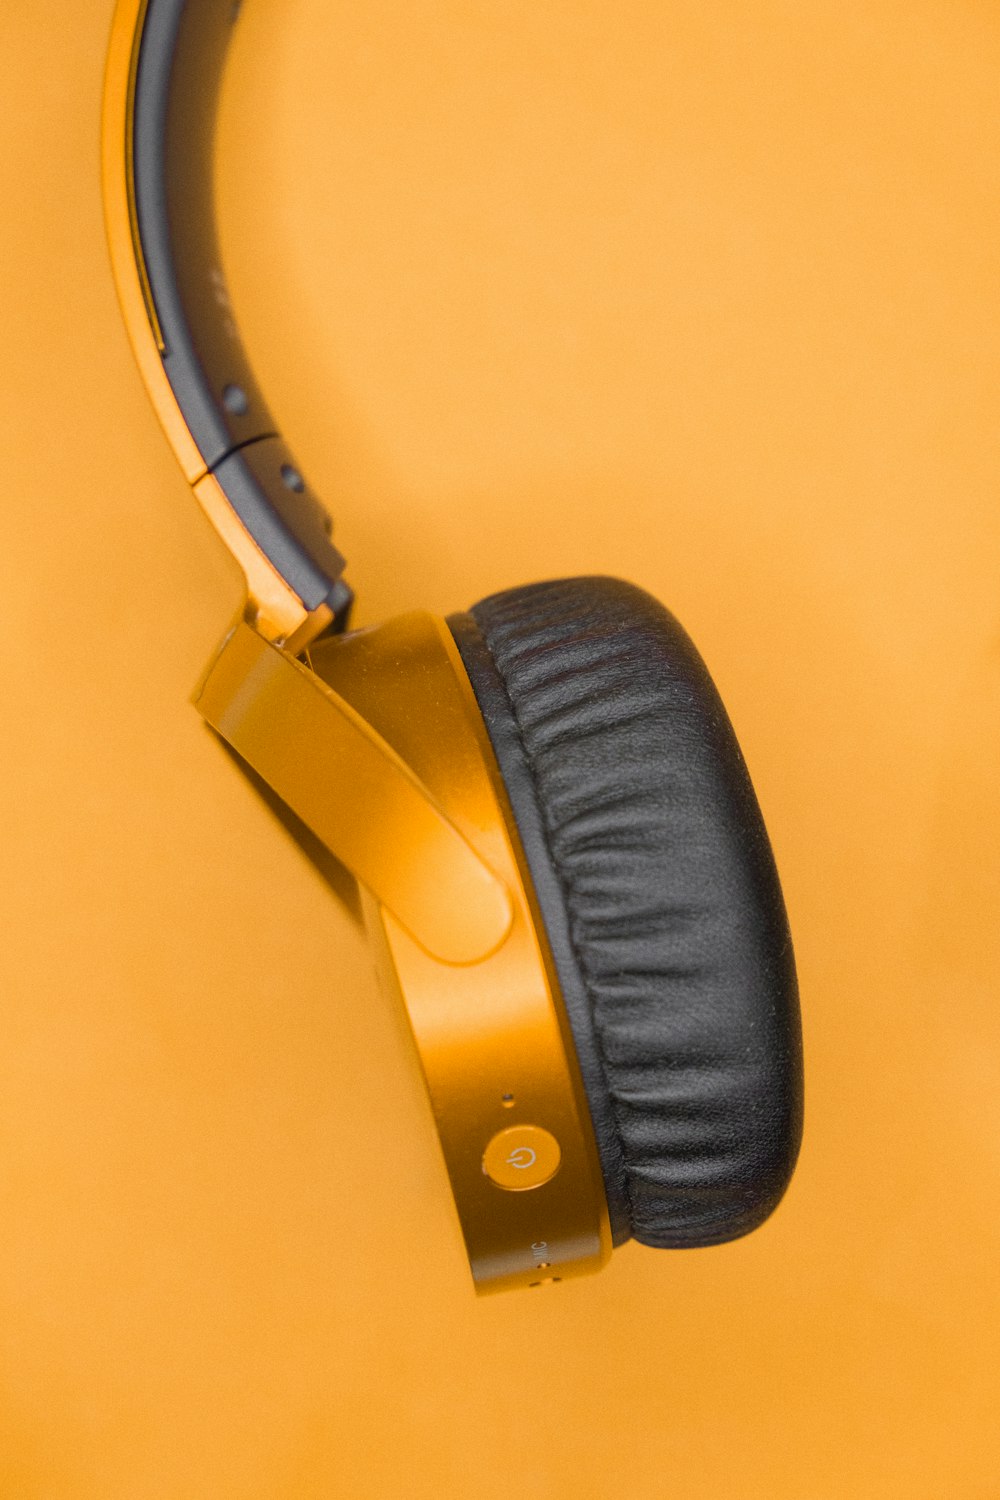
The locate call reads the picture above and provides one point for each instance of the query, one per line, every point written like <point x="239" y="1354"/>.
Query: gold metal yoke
<point x="337" y="773"/>
<point x="379" y="746"/>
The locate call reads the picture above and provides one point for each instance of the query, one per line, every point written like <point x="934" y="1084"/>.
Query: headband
<point x="164" y="72"/>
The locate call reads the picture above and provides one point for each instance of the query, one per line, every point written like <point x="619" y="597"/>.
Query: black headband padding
<point x="658" y="890"/>
<point x="181" y="53"/>
<point x="181" y="57"/>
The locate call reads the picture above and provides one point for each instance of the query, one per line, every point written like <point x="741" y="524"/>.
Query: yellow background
<point x="699" y="293"/>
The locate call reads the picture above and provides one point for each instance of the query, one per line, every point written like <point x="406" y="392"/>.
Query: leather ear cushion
<point x="659" y="896"/>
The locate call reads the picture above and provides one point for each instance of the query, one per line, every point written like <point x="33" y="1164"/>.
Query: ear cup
<point x="659" y="897"/>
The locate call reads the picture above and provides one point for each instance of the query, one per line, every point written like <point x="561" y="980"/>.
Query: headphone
<point x="563" y="865"/>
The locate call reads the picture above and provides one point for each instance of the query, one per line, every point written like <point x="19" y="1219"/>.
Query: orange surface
<point x="701" y="294"/>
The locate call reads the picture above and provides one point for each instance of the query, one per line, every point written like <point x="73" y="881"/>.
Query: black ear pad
<point x="659" y="896"/>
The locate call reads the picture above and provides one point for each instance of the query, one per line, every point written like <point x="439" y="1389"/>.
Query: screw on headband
<point x="164" y="69"/>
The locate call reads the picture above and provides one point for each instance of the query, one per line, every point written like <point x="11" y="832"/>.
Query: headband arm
<point x="181" y="46"/>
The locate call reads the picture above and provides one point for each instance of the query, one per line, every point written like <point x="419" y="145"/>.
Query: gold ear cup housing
<point x="491" y="1031"/>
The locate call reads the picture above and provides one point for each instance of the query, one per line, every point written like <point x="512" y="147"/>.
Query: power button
<point x="521" y="1157"/>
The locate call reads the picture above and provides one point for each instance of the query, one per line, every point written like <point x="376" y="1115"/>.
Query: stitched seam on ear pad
<point x="677" y="925"/>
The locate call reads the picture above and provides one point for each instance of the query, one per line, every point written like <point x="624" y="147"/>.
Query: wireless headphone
<point x="560" y="853"/>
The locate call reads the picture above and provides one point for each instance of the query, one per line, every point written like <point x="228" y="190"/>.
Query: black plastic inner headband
<point x="181" y="54"/>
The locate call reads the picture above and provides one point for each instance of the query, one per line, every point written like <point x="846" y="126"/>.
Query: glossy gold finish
<point x="133" y="216"/>
<point x="493" y="1038"/>
<point x="275" y="607"/>
<point x="381" y="751"/>
<point x="341" y="777"/>
<point x="521" y="1158"/>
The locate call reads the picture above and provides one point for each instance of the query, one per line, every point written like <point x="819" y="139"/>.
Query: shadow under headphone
<point x="559" y="849"/>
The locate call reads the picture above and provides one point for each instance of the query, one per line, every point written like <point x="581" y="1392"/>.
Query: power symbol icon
<point x="521" y="1157"/>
